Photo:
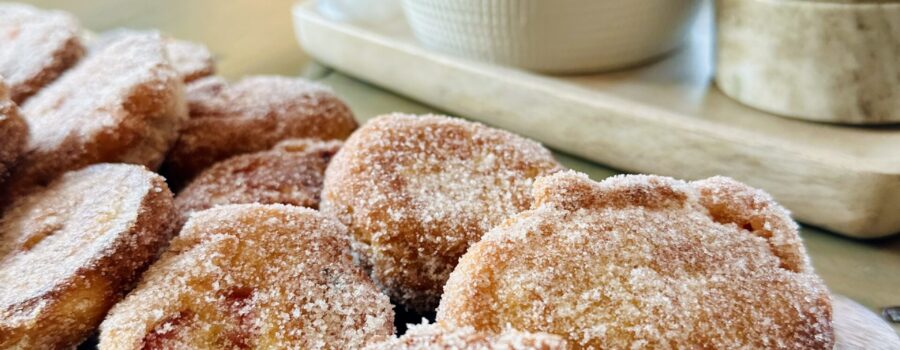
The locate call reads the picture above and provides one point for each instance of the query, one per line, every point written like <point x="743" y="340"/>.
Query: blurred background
<point x="246" y="36"/>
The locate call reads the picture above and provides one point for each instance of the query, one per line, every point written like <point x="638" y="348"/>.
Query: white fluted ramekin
<point x="555" y="36"/>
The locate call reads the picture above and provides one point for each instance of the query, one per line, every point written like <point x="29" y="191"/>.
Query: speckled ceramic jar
<point x="831" y="61"/>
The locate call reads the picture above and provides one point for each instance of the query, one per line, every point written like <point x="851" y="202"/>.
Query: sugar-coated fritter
<point x="416" y="191"/>
<point x="70" y="251"/>
<point x="123" y="105"/>
<point x="36" y="47"/>
<point x="290" y="173"/>
<point x="645" y="262"/>
<point x="252" y="115"/>
<point x="253" y="276"/>
<point x="191" y="60"/>
<point x="434" y="337"/>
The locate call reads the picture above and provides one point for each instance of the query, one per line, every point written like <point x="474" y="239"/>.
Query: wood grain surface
<point x="664" y="117"/>
<point x="256" y="37"/>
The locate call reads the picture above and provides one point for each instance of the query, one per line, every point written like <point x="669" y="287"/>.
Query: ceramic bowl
<point x="554" y="36"/>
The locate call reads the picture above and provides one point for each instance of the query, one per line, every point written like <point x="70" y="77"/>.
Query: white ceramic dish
<point x="833" y="61"/>
<point x="554" y="36"/>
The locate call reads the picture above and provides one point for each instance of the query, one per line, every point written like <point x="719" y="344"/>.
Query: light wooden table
<point x="256" y="37"/>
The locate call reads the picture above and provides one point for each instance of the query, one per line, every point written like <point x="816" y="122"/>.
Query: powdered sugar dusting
<point x="416" y="191"/>
<point x="433" y="337"/>
<point x="35" y="47"/>
<point x="252" y="115"/>
<point x="68" y="252"/>
<point x="253" y="276"/>
<point x="643" y="262"/>
<point x="291" y="173"/>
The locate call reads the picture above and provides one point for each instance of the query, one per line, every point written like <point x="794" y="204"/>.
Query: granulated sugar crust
<point x="123" y="104"/>
<point x="645" y="262"/>
<point x="253" y="276"/>
<point x="416" y="191"/>
<point x="253" y="115"/>
<point x="72" y="250"/>
<point x="13" y="132"/>
<point x="433" y="337"/>
<point x="36" y="46"/>
<point x="191" y="60"/>
<point x="290" y="173"/>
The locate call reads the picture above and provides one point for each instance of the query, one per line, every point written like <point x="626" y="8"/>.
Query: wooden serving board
<point x="663" y="118"/>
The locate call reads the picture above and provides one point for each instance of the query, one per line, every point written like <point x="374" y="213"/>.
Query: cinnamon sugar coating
<point x="123" y="104"/>
<point x="36" y="46"/>
<point x="70" y="251"/>
<point x="191" y="60"/>
<point x="253" y="276"/>
<point x="253" y="115"/>
<point x="433" y="337"/>
<point x="290" y="173"/>
<point x="416" y="191"/>
<point x="13" y="132"/>
<point x="645" y="262"/>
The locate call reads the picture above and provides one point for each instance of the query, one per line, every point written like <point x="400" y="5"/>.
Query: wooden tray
<point x="663" y="118"/>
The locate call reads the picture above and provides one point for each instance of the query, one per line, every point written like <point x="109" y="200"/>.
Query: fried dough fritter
<point x="290" y="173"/>
<point x="416" y="191"/>
<point x="253" y="276"/>
<point x="70" y="251"/>
<point x="645" y="261"/>
<point x="252" y="115"/>
<point x="433" y="337"/>
<point x="121" y="105"/>
<point x="36" y="47"/>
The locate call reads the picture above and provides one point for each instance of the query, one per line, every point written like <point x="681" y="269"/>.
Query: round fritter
<point x="291" y="173"/>
<point x="70" y="251"/>
<point x="434" y="337"/>
<point x="36" y="46"/>
<point x="191" y="60"/>
<point x="123" y="104"/>
<point x="253" y="276"/>
<point x="416" y="191"/>
<point x="645" y="262"/>
<point x="13" y="132"/>
<point x="253" y="115"/>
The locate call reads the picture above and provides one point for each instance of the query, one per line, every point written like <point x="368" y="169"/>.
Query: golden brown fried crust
<point x="434" y="337"/>
<point x="72" y="250"/>
<point x="13" y="134"/>
<point x="36" y="47"/>
<point x="645" y="261"/>
<point x="191" y="60"/>
<point x="291" y="173"/>
<point x="253" y="276"/>
<point x="123" y="104"/>
<point x="416" y="191"/>
<point x="250" y="116"/>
